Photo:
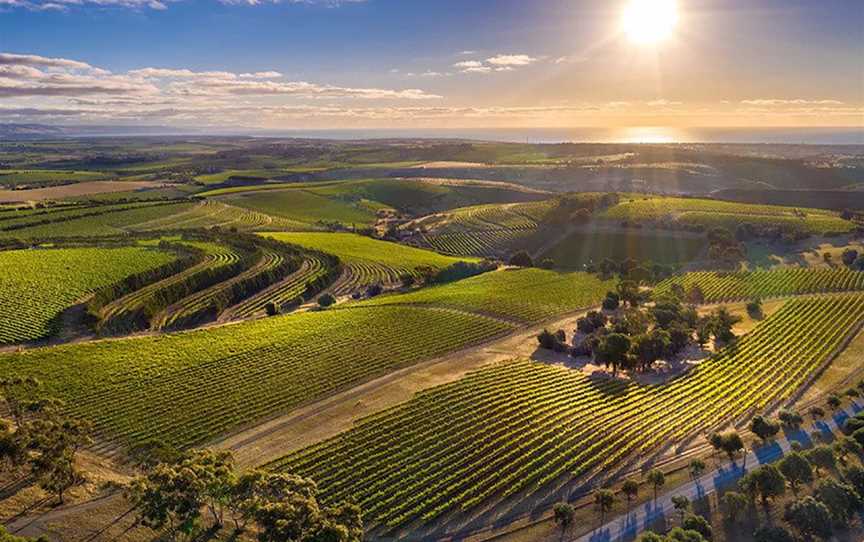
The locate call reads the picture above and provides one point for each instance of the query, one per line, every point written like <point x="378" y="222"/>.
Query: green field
<point x="714" y="213"/>
<point x="720" y="286"/>
<point x="39" y="284"/>
<point x="527" y="295"/>
<point x="303" y="206"/>
<point x="519" y="426"/>
<point x="43" y="177"/>
<point x="368" y="260"/>
<point x="592" y="246"/>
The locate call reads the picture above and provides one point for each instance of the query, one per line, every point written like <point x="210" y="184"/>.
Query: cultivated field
<point x="39" y="284"/>
<point x="522" y="425"/>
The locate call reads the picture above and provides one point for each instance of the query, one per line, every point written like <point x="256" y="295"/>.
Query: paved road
<point x="628" y="526"/>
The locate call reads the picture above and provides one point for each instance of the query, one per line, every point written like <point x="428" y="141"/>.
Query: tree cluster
<point x="42" y="440"/>
<point x="201" y="488"/>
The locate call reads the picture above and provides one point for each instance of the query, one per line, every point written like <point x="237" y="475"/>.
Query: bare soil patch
<point x="75" y="190"/>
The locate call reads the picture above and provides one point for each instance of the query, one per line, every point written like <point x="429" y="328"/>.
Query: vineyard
<point x="301" y="206"/>
<point x="39" y="284"/>
<point x="208" y="214"/>
<point x="368" y="261"/>
<point x="483" y="230"/>
<point x="521" y="425"/>
<point x="525" y="295"/>
<point x="189" y="387"/>
<point x="714" y="213"/>
<point x="718" y="286"/>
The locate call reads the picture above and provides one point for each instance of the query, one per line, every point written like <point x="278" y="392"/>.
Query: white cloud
<point x="780" y="101"/>
<point x="511" y="60"/>
<point x="477" y="69"/>
<point x="468" y="64"/>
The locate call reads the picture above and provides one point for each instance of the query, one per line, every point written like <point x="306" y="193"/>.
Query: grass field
<point x="592" y="246"/>
<point x="39" y="284"/>
<point x="720" y="286"/>
<point x="715" y="213"/>
<point x="522" y="425"/>
<point x="368" y="261"/>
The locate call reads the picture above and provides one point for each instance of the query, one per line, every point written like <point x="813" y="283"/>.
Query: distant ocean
<point x="810" y="136"/>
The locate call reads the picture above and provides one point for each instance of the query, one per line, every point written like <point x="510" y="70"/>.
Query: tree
<point x="849" y="256"/>
<point x="764" y="429"/>
<point x="21" y="396"/>
<point x="611" y="301"/>
<point x="790" y="419"/>
<point x="855" y="476"/>
<point x="649" y="347"/>
<point x="271" y="309"/>
<point x="630" y="489"/>
<point x="699" y="524"/>
<point x="604" y="499"/>
<point x="797" y="470"/>
<point x="817" y="412"/>
<point x="772" y="533"/>
<point x="696" y="468"/>
<point x="730" y="443"/>
<point x="326" y="300"/>
<point x="844" y="446"/>
<point x="734" y="505"/>
<point x="408" y="280"/>
<point x="612" y="351"/>
<point x="841" y="499"/>
<point x="766" y="482"/>
<point x="821" y="457"/>
<point x="521" y="259"/>
<point x="695" y="295"/>
<point x="564" y="514"/>
<point x="54" y="441"/>
<point x="628" y="292"/>
<point x="682" y="504"/>
<point x="833" y="401"/>
<point x="657" y="479"/>
<point x="810" y="517"/>
<point x="754" y="308"/>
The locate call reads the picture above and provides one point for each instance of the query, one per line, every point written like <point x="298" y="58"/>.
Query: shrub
<point x="326" y="300"/>
<point x="521" y="259"/>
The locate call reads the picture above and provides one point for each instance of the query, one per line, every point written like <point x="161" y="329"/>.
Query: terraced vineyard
<point x="717" y="286"/>
<point x="483" y="230"/>
<point x="521" y="425"/>
<point x="715" y="213"/>
<point x="135" y="310"/>
<point x="526" y="295"/>
<point x="284" y="293"/>
<point x="39" y="284"/>
<point x="368" y="261"/>
<point x="298" y="205"/>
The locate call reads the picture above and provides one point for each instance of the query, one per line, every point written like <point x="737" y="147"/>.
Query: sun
<point x="649" y="21"/>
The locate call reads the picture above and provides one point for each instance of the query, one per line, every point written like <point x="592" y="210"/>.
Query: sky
<point x="306" y="64"/>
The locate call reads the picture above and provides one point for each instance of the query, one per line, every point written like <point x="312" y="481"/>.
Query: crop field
<point x="186" y="388"/>
<point x="526" y="295"/>
<point x="45" y="177"/>
<point x="592" y="246"/>
<point x="303" y="206"/>
<point x="521" y="425"/>
<point x="720" y="286"/>
<point x="484" y="230"/>
<point x="39" y="284"/>
<point x="88" y="221"/>
<point x="368" y="261"/>
<point x="714" y="213"/>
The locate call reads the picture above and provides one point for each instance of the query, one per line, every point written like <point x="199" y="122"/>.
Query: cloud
<point x="62" y="5"/>
<point x="11" y="59"/>
<point x="511" y="60"/>
<point x="478" y="69"/>
<point x="779" y="102"/>
<point x="468" y="64"/>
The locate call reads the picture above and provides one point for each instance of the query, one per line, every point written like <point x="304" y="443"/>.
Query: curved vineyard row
<point x="521" y="425"/>
<point x="714" y="213"/>
<point x="207" y="304"/>
<point x="717" y="286"/>
<point x="134" y="311"/>
<point x="283" y="293"/>
<point x="208" y="214"/>
<point x="186" y="388"/>
<point x="39" y="284"/>
<point x="368" y="261"/>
